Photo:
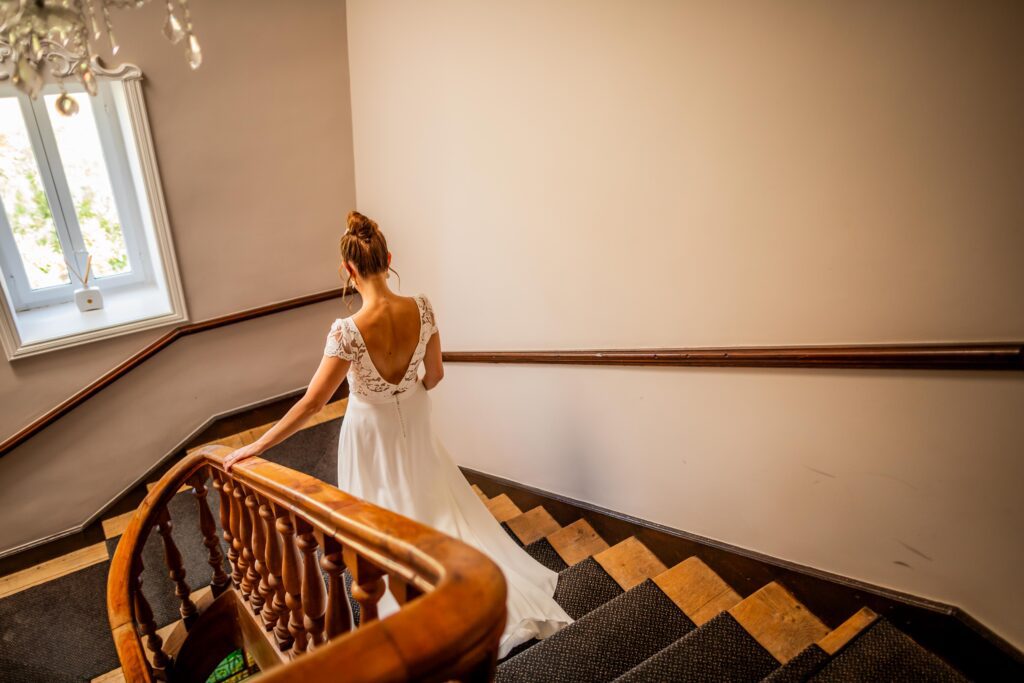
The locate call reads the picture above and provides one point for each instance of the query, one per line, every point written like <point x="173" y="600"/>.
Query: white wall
<point x="586" y="174"/>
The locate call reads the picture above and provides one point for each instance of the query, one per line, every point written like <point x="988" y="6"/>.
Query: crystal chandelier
<point x="44" y="40"/>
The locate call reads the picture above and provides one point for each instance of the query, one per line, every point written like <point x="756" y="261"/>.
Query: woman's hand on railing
<point x="241" y="454"/>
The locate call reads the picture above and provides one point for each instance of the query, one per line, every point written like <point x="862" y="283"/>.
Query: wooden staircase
<point x="636" y="619"/>
<point x="767" y="635"/>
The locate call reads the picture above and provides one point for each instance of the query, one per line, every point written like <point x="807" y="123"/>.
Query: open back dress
<point x="389" y="455"/>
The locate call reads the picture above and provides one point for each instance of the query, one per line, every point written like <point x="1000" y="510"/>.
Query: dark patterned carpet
<point x="720" y="651"/>
<point x="605" y="643"/>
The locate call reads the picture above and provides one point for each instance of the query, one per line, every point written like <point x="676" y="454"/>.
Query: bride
<point x="388" y="453"/>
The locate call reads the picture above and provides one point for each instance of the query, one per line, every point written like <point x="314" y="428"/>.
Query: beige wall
<point x="255" y="150"/>
<point x="622" y="174"/>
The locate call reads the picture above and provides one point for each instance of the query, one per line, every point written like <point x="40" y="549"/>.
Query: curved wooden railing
<point x="273" y="520"/>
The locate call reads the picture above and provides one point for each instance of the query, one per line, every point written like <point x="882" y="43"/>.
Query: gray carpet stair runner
<point x="544" y="552"/>
<point x="720" y="651"/>
<point x="584" y="587"/>
<point x="641" y="635"/>
<point x="605" y="643"/>
<point x="884" y="653"/>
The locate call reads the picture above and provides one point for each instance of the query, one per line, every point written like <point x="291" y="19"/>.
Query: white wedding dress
<point x="389" y="455"/>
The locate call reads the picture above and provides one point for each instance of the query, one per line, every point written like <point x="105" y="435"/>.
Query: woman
<point x="388" y="453"/>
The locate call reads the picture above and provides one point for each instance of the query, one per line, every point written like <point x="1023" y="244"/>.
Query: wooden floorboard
<point x="53" y="569"/>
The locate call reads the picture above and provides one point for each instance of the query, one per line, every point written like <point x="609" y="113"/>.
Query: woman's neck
<point x="374" y="289"/>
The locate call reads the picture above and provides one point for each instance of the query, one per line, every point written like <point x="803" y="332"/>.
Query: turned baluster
<point x="223" y="486"/>
<point x="208" y="528"/>
<point x="312" y="584"/>
<point x="147" y="626"/>
<point x="367" y="585"/>
<point x="273" y="601"/>
<point x="175" y="567"/>
<point x="238" y="567"/>
<point x="243" y="537"/>
<point x="258" y="546"/>
<point x="338" y="619"/>
<point x="292" y="580"/>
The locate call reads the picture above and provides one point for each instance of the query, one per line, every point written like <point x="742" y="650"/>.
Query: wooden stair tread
<point x="53" y="569"/>
<point x="629" y="562"/>
<point x="479" y="492"/>
<point x="115" y="526"/>
<point x="533" y="525"/>
<point x="503" y="508"/>
<point x="846" y="631"/>
<point x="697" y="590"/>
<point x="577" y="542"/>
<point x="777" y="621"/>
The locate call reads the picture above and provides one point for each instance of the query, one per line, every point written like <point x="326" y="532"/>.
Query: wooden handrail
<point x="452" y="596"/>
<point x="974" y="356"/>
<point x="150" y="350"/>
<point x="979" y="356"/>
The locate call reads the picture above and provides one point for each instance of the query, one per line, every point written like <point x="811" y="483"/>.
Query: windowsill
<point x="125" y="310"/>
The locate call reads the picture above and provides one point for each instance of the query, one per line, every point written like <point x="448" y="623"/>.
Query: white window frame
<point x="124" y="133"/>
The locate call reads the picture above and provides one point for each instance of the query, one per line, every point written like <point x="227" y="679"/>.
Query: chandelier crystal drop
<point x="52" y="41"/>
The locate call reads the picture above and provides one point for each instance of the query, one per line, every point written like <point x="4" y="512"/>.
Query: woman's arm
<point x="432" y="362"/>
<point x="325" y="382"/>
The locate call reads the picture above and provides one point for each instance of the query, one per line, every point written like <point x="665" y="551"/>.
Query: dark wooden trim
<point x="979" y="356"/>
<point x="944" y="629"/>
<point x="150" y="350"/>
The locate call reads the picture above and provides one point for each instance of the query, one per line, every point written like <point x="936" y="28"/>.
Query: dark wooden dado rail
<point x="983" y="356"/>
<point x="122" y="369"/>
<point x="978" y="356"/>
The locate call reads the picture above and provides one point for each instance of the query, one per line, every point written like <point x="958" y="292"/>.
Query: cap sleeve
<point x="339" y="342"/>
<point x="427" y="319"/>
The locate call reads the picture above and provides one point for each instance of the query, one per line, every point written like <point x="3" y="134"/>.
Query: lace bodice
<point x="346" y="342"/>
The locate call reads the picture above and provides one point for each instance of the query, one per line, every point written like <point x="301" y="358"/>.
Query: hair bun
<point x="361" y="227"/>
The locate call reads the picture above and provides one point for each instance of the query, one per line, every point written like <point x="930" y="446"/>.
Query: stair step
<point x="697" y="590"/>
<point x="882" y="652"/>
<point x="577" y="542"/>
<point x="816" y="655"/>
<point x="782" y="625"/>
<point x="720" y="650"/>
<point x="545" y="553"/>
<point x="479" y="492"/>
<point x="584" y="587"/>
<point x="630" y="563"/>
<point x="533" y="525"/>
<point x="503" y="508"/>
<point x="604" y="643"/>
<point x="835" y="641"/>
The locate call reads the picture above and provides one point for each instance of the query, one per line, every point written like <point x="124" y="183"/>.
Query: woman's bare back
<point x="391" y="332"/>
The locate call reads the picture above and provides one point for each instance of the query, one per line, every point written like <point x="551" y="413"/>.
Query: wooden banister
<point x="452" y="597"/>
<point x="978" y="356"/>
<point x="150" y="350"/>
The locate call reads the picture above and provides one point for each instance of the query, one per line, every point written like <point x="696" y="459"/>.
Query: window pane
<point x="81" y="153"/>
<point x="24" y="199"/>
